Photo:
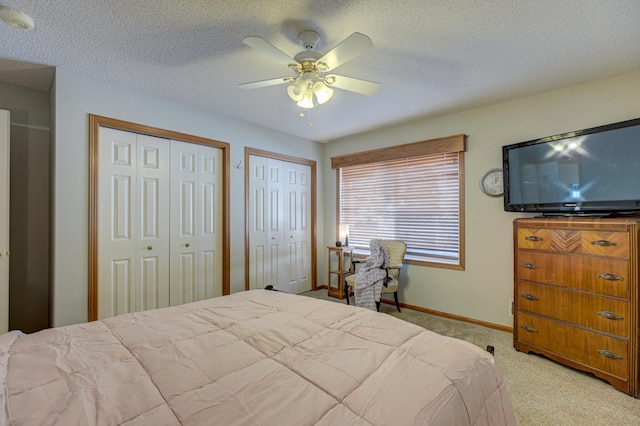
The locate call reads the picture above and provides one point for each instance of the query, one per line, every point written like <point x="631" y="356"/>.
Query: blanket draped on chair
<point x="371" y="276"/>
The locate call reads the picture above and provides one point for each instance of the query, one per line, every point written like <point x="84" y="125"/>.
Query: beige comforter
<point x="252" y="358"/>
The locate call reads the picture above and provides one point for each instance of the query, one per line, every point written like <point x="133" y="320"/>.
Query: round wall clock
<point x="491" y="183"/>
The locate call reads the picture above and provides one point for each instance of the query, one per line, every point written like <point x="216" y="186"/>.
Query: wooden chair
<point x="397" y="250"/>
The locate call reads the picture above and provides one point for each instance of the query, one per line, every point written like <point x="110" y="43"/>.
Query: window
<point x="412" y="192"/>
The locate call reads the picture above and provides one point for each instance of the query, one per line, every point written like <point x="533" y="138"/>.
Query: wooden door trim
<point x="248" y="152"/>
<point x="95" y="122"/>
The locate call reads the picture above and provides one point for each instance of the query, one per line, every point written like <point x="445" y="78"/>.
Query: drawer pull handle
<point x="609" y="354"/>
<point x="529" y="329"/>
<point x="529" y="265"/>
<point x="530" y="296"/>
<point x="610" y="277"/>
<point x="610" y="315"/>
<point x="604" y="243"/>
<point x="533" y="238"/>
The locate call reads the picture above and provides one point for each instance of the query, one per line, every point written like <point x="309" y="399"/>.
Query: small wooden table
<point x="338" y="269"/>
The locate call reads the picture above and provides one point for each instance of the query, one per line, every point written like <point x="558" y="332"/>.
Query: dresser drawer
<point x="607" y="354"/>
<point x="535" y="238"/>
<point x="598" y="243"/>
<point x="602" y="275"/>
<point x="588" y="310"/>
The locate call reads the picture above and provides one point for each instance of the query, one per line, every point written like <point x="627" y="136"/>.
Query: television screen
<point x="593" y="171"/>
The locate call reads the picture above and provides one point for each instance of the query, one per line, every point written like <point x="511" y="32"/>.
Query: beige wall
<point x="484" y="289"/>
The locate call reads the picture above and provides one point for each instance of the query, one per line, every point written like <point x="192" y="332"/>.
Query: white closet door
<point x="258" y="251"/>
<point x="280" y="225"/>
<point x="117" y="195"/>
<point x="210" y="225"/>
<point x="4" y="220"/>
<point x="184" y="218"/>
<point x="196" y="200"/>
<point x="276" y="261"/>
<point x="133" y="200"/>
<point x="160" y="224"/>
<point x="152" y="236"/>
<point x="297" y="219"/>
<point x="265" y="211"/>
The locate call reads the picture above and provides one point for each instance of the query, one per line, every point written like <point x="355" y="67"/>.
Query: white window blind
<point x="416" y="200"/>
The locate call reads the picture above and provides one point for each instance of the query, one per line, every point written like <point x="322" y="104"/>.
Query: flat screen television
<point x="587" y="172"/>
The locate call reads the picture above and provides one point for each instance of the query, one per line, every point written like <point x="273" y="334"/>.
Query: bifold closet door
<point x="196" y="259"/>
<point x="160" y="224"/>
<point x="280" y="224"/>
<point x="133" y="187"/>
<point x="265" y="217"/>
<point x="297" y="226"/>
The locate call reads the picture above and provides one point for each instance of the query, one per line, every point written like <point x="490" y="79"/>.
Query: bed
<point x="252" y="358"/>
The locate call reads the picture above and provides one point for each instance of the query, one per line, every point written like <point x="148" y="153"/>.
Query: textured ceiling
<point x="431" y="57"/>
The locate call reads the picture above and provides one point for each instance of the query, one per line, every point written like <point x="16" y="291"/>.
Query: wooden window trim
<point x="455" y="143"/>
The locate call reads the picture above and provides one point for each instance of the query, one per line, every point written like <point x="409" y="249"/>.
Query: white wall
<point x="75" y="97"/>
<point x="483" y="290"/>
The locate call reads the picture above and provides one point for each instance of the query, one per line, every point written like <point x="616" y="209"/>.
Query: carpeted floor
<point x="542" y="391"/>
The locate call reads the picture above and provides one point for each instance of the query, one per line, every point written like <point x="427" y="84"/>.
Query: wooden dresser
<point x="576" y="294"/>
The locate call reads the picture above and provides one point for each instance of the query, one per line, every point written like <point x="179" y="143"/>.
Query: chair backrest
<point x="397" y="250"/>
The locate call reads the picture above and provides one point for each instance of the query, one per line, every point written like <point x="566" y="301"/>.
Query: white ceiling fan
<point x="312" y="85"/>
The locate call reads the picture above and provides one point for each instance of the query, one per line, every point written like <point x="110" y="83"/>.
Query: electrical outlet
<point x="510" y="307"/>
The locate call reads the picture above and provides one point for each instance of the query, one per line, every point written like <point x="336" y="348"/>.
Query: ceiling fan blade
<point x="265" y="83"/>
<point x="268" y="49"/>
<point x="350" y="47"/>
<point x="357" y="85"/>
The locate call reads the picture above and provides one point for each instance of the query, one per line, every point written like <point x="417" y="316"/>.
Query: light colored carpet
<point x="542" y="392"/>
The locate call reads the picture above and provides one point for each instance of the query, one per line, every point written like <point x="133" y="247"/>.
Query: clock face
<point x="491" y="183"/>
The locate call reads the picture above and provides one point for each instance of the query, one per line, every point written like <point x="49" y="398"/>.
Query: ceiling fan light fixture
<point x="307" y="100"/>
<point x="311" y="86"/>
<point x="322" y="92"/>
<point x="16" y="19"/>
<point x="297" y="90"/>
